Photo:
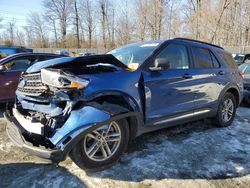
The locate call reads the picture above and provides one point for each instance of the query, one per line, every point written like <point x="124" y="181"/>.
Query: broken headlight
<point x="59" y="79"/>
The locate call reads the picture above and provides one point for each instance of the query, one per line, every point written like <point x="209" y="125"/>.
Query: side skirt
<point x="177" y="120"/>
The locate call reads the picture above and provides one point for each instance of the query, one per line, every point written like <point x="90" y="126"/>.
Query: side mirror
<point x="160" y="64"/>
<point x="155" y="69"/>
<point x="2" y="68"/>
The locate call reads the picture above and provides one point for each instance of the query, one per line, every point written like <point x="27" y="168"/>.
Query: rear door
<point x="10" y="77"/>
<point x="169" y="93"/>
<point x="208" y="77"/>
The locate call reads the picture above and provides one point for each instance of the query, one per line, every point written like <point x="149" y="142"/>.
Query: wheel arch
<point x="236" y="94"/>
<point x="116" y="97"/>
<point x="133" y="119"/>
<point x="117" y="104"/>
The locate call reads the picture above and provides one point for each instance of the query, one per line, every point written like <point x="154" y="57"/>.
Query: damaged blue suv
<point x="90" y="107"/>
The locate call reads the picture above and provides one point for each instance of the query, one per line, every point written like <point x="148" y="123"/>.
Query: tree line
<point x="110" y="23"/>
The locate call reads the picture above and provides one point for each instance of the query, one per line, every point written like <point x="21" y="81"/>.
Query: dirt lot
<point x="194" y="155"/>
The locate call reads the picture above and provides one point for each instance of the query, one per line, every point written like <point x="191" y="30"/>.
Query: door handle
<point x="187" y="76"/>
<point x="221" y="72"/>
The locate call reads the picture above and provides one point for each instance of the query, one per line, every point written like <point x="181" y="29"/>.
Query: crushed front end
<point x="50" y="113"/>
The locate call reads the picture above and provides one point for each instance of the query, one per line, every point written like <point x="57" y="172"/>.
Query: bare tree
<point x="29" y="35"/>
<point x="11" y="30"/>
<point x="224" y="7"/>
<point x="156" y="18"/>
<point x="109" y="23"/>
<point x="20" y="38"/>
<point x="37" y="24"/>
<point x="142" y="15"/>
<point x="103" y="6"/>
<point x="62" y="10"/>
<point x="88" y="17"/>
<point x="52" y="19"/>
<point x="77" y="23"/>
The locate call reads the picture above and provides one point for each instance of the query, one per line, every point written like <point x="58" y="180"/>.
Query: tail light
<point x="241" y="74"/>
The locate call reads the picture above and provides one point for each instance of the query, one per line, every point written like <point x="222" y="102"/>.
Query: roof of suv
<point x="184" y="40"/>
<point x="198" y="42"/>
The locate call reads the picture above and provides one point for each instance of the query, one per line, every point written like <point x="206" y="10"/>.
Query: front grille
<point x="31" y="85"/>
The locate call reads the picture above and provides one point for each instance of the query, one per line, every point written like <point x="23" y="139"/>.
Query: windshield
<point x="133" y="55"/>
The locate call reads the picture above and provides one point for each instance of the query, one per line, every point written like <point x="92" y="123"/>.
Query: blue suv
<point x="9" y="50"/>
<point x="90" y="107"/>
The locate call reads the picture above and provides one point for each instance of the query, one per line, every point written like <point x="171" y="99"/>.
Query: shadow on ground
<point x="191" y="151"/>
<point x="36" y="175"/>
<point x="197" y="150"/>
<point x="2" y="109"/>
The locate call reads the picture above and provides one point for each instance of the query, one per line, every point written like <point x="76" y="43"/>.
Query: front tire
<point x="226" y="111"/>
<point x="101" y="147"/>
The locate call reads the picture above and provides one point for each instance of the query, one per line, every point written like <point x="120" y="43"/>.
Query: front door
<point x="169" y="93"/>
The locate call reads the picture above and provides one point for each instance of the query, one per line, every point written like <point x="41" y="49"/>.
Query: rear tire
<point x="226" y="111"/>
<point x="95" y="151"/>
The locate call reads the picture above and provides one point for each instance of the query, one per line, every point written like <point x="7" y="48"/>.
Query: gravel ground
<point x="191" y="155"/>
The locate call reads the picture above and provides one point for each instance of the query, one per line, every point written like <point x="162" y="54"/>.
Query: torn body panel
<point x="66" y="113"/>
<point x="78" y="121"/>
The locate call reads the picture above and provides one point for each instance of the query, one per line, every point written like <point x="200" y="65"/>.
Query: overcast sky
<point x="18" y="9"/>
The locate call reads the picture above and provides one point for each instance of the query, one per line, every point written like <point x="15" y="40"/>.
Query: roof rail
<point x="179" y="38"/>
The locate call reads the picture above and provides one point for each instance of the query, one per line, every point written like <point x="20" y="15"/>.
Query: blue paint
<point x="79" y="119"/>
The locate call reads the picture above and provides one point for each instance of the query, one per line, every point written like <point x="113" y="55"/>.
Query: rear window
<point x="245" y="68"/>
<point x="228" y="58"/>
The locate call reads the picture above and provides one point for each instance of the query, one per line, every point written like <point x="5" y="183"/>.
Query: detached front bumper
<point x="62" y="140"/>
<point x="14" y="131"/>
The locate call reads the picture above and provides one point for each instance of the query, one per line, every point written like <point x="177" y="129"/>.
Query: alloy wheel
<point x="102" y="143"/>
<point x="227" y="110"/>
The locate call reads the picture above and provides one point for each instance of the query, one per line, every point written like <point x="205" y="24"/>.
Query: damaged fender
<point x="82" y="121"/>
<point x="78" y="121"/>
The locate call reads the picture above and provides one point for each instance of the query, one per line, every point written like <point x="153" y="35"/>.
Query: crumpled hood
<point x="66" y="62"/>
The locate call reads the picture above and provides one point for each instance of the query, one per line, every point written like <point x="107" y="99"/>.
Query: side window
<point x="174" y="56"/>
<point x="20" y="64"/>
<point x="215" y="61"/>
<point x="228" y="59"/>
<point x="202" y="58"/>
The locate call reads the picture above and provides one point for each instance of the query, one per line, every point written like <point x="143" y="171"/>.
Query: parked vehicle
<point x="62" y="52"/>
<point x="9" y="50"/>
<point x="11" y="68"/>
<point x="241" y="58"/>
<point x="90" y="107"/>
<point x="245" y="69"/>
<point x="87" y="53"/>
